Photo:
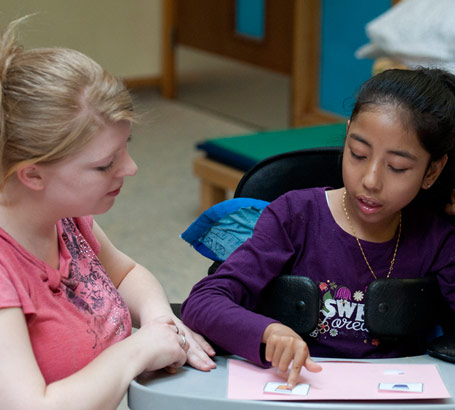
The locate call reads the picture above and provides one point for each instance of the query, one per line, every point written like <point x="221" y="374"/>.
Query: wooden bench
<point x="227" y="159"/>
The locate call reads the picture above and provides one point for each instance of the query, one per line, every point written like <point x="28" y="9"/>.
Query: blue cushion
<point x="218" y="231"/>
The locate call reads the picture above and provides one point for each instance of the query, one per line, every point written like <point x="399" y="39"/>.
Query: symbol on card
<point x="282" y="387"/>
<point x="278" y="387"/>
<point x="402" y="387"/>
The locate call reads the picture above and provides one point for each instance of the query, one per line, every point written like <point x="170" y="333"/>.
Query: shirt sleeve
<point x="220" y="305"/>
<point x="13" y="291"/>
<point x="8" y="293"/>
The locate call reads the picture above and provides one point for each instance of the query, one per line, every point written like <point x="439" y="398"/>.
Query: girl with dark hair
<point x="386" y="221"/>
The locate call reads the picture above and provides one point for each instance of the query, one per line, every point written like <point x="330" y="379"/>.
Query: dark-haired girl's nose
<point x="372" y="179"/>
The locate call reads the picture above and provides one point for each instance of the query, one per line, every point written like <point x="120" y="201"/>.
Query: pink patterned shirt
<point x="72" y="313"/>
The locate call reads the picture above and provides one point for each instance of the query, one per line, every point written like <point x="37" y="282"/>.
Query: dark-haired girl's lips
<point x="368" y="207"/>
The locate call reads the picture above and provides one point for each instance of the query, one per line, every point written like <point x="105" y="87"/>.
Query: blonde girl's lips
<point x="114" y="193"/>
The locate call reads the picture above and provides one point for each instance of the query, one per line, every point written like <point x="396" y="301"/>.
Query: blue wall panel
<point x="250" y="18"/>
<point x="342" y="32"/>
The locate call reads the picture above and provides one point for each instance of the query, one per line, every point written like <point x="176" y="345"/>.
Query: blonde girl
<point x="68" y="297"/>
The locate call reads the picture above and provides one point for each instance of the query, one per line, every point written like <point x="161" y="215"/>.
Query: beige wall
<point x="122" y="35"/>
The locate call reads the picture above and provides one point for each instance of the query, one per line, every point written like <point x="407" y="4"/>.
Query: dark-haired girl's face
<point x="384" y="166"/>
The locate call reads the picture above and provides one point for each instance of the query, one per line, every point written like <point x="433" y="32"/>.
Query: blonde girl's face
<point x="88" y="182"/>
<point x="384" y="166"/>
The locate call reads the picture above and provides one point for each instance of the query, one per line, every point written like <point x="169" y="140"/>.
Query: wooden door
<point x="290" y="45"/>
<point x="211" y="26"/>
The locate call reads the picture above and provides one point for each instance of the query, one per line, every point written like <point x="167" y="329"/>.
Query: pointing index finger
<point x="296" y="367"/>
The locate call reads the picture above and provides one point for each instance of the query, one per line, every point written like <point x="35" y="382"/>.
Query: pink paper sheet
<point x="338" y="381"/>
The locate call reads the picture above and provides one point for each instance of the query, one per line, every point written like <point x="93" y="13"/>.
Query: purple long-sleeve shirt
<point x="297" y="232"/>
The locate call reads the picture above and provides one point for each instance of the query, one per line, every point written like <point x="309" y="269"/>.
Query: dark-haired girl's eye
<point x="356" y="156"/>
<point x="397" y="170"/>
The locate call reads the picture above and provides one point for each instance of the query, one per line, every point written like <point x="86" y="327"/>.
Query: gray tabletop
<point x="192" y="389"/>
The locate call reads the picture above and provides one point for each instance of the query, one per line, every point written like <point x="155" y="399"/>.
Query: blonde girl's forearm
<point x="142" y="292"/>
<point x="144" y="295"/>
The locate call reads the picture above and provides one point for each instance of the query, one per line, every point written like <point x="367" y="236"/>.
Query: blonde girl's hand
<point x="282" y="347"/>
<point x="161" y="345"/>
<point x="199" y="351"/>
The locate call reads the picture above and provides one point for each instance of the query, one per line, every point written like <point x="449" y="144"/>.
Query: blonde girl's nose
<point x="128" y="166"/>
<point x="132" y="167"/>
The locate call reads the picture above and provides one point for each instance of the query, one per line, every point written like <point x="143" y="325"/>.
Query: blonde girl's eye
<point x="105" y="168"/>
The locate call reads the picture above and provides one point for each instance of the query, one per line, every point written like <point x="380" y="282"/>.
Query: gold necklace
<point x="360" y="245"/>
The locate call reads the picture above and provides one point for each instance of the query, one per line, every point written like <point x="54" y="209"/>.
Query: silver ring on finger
<point x="183" y="341"/>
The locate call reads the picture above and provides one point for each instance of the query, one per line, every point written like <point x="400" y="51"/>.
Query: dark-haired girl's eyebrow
<point x="404" y="154"/>
<point x="400" y="153"/>
<point x="360" y="139"/>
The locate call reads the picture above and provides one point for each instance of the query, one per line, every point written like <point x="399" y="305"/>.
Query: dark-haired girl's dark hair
<point x="425" y="97"/>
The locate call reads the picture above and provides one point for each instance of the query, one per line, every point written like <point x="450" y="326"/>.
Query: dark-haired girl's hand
<point x="282" y="347"/>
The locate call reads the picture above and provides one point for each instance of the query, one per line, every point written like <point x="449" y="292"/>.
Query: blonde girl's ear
<point x="433" y="172"/>
<point x="30" y="176"/>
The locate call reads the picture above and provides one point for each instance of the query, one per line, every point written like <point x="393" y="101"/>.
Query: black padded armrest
<point x="292" y="300"/>
<point x="213" y="267"/>
<point x="443" y="347"/>
<point x="401" y="307"/>
<point x="176" y="309"/>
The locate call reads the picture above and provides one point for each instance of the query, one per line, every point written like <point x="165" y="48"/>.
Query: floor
<point x="244" y="93"/>
<point x="217" y="97"/>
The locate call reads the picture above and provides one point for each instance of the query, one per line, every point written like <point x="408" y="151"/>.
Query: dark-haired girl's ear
<point x="450" y="207"/>
<point x="433" y="172"/>
<point x="31" y="177"/>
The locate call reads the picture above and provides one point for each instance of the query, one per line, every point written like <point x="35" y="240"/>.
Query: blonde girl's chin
<point x="105" y="209"/>
<point x="101" y="209"/>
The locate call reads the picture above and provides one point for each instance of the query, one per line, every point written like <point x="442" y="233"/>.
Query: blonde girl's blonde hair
<point x="52" y="101"/>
